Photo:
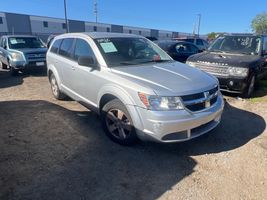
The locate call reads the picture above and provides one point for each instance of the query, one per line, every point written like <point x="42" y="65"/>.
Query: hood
<point x="236" y="60"/>
<point x="170" y="78"/>
<point x="32" y="50"/>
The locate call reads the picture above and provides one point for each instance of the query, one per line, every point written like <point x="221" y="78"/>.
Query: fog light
<point x="231" y="83"/>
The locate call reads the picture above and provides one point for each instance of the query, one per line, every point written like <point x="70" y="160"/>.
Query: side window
<point x="199" y="42"/>
<point x="183" y="48"/>
<point x="193" y="49"/>
<point x="66" y="47"/>
<point x="1" y="42"/>
<point x="82" y="48"/>
<point x="55" y="46"/>
<point x="265" y="44"/>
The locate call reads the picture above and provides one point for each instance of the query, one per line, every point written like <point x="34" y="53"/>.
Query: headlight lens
<point x="190" y="63"/>
<point x="17" y="56"/>
<point x="158" y="103"/>
<point x="238" y="71"/>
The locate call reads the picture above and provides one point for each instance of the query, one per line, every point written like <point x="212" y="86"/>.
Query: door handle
<point x="72" y="67"/>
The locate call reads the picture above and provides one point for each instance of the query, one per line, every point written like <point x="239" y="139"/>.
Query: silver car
<point x="138" y="90"/>
<point x="19" y="52"/>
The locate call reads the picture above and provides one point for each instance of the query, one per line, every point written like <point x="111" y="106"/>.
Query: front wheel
<point x="4" y="66"/>
<point x="117" y="123"/>
<point x="250" y="87"/>
<point x="13" y="71"/>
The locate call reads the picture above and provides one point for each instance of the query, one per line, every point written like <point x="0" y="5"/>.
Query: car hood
<point x="32" y="50"/>
<point x="172" y="78"/>
<point x="227" y="59"/>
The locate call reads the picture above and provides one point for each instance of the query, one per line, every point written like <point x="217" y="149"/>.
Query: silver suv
<point x="138" y="90"/>
<point x="19" y="52"/>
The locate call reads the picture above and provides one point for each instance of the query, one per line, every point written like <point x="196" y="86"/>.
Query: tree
<point x="259" y="23"/>
<point x="212" y="36"/>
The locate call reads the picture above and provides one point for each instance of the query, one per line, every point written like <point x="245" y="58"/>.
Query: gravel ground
<point x="57" y="150"/>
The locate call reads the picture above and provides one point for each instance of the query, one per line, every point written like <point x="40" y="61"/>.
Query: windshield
<point x="24" y="42"/>
<point x="237" y="44"/>
<point x="130" y="51"/>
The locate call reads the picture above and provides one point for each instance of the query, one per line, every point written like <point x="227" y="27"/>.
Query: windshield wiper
<point x="157" y="61"/>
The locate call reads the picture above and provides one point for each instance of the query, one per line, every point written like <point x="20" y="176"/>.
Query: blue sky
<point x="175" y="15"/>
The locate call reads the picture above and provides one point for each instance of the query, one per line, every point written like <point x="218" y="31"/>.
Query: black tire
<point x="55" y="89"/>
<point x="4" y="66"/>
<point x="116" y="117"/>
<point x="250" y="87"/>
<point x="14" y="72"/>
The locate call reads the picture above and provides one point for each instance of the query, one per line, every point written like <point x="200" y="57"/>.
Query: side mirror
<point x="87" y="61"/>
<point x="5" y="47"/>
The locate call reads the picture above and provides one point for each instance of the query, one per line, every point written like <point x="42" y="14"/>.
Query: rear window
<point x="55" y="46"/>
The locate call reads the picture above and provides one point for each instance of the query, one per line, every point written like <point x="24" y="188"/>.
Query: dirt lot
<point x="57" y="150"/>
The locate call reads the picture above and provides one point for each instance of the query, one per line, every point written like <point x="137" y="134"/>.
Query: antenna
<point x="95" y="10"/>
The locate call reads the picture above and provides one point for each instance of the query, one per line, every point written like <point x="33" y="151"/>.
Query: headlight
<point x="17" y="56"/>
<point x="190" y="63"/>
<point x="238" y="71"/>
<point x="158" y="103"/>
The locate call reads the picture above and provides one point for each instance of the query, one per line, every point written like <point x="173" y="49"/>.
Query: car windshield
<point x="124" y="51"/>
<point x="237" y="44"/>
<point x="24" y="42"/>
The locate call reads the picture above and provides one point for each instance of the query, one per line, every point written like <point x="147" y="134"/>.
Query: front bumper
<point x="233" y="84"/>
<point x="177" y="126"/>
<point x="20" y="65"/>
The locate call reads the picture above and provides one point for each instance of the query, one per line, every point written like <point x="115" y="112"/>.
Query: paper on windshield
<point x="108" y="47"/>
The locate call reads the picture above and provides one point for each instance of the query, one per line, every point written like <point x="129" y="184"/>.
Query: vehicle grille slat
<point x="200" y="101"/>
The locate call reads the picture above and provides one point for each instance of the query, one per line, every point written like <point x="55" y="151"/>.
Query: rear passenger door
<point x="66" y="64"/>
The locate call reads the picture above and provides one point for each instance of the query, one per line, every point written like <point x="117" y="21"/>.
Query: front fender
<point x="126" y="99"/>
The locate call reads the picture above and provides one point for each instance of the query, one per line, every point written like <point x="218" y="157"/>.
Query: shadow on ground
<point x="49" y="152"/>
<point x="7" y="80"/>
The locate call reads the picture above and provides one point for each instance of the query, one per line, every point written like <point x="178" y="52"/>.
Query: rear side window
<point x="265" y="44"/>
<point x="66" y="47"/>
<point x="82" y="48"/>
<point x="55" y="46"/>
<point x="199" y="42"/>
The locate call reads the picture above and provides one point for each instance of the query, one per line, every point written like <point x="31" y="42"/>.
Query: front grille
<point x="214" y="69"/>
<point x="200" y="101"/>
<point x="37" y="55"/>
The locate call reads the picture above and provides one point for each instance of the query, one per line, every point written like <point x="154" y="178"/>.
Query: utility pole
<point x="199" y="20"/>
<point x="95" y="10"/>
<point x="66" y="18"/>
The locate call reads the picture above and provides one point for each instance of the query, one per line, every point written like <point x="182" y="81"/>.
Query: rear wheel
<point x="117" y="123"/>
<point x="55" y="89"/>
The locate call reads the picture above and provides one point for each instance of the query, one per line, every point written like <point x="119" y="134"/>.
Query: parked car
<point x="19" y="52"/>
<point x="199" y="42"/>
<point x="178" y="50"/>
<point x="50" y="39"/>
<point x="152" y="38"/>
<point x="138" y="90"/>
<point x="237" y="60"/>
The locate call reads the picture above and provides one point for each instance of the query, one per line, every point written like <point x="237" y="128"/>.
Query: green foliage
<point x="212" y="36"/>
<point x="259" y="23"/>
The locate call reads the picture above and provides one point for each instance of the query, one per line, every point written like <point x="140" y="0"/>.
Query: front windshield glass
<point x="24" y="42"/>
<point x="237" y="44"/>
<point x="130" y="51"/>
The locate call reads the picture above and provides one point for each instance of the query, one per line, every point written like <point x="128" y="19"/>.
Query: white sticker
<point x="108" y="47"/>
<point x="13" y="41"/>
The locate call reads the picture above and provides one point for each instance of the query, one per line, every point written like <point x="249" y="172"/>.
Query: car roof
<point x="95" y="35"/>
<point x="28" y="36"/>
